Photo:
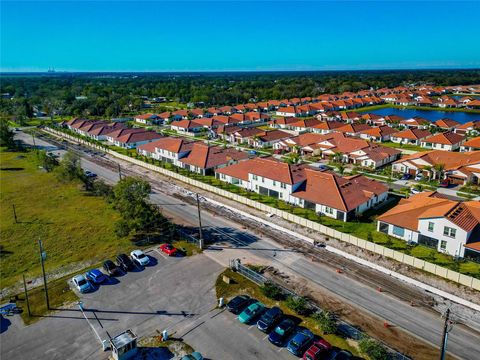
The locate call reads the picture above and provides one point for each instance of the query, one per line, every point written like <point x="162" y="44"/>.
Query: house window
<point x="255" y="177"/>
<point x="328" y="210"/>
<point x="450" y="232"/>
<point x="280" y="195"/>
<point x="398" y="231"/>
<point x="283" y="185"/>
<point x="274" y="183"/>
<point x="430" y="226"/>
<point x="263" y="179"/>
<point x="443" y="244"/>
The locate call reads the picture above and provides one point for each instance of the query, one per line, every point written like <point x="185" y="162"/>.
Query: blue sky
<point x="222" y="36"/>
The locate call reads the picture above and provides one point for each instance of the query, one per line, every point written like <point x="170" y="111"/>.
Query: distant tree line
<point x="114" y="94"/>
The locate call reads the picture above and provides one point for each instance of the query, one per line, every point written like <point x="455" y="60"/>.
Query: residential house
<point x="377" y="134"/>
<point x="353" y="129"/>
<point x="432" y="220"/>
<point x="342" y="198"/>
<point x="167" y="149"/>
<point x="446" y="124"/>
<point x="300" y="143"/>
<point x="374" y="156"/>
<point x="147" y="119"/>
<point x="268" y="138"/>
<point x="190" y="127"/>
<point x="111" y="137"/>
<point x="205" y="159"/>
<point x="471" y="145"/>
<point x="410" y="136"/>
<point x="470" y="128"/>
<point x="458" y="167"/>
<point x="416" y="122"/>
<point x="326" y="127"/>
<point x="447" y="141"/>
<point x="133" y="139"/>
<point x="282" y="122"/>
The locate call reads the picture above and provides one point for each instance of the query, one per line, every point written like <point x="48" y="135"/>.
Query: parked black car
<point x="238" y="303"/>
<point x="111" y="268"/>
<point x="269" y="319"/>
<point x="282" y="331"/>
<point x="125" y="263"/>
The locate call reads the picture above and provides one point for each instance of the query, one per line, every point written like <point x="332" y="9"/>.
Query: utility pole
<point x="119" y="172"/>
<point x="200" y="235"/>
<point x="26" y="295"/>
<point x="445" y="334"/>
<point x="15" y="214"/>
<point x="42" y="259"/>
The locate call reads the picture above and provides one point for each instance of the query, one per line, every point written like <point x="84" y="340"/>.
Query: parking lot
<point x="173" y="293"/>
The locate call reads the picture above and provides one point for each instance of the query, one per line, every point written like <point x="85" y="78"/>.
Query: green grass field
<point x="74" y="226"/>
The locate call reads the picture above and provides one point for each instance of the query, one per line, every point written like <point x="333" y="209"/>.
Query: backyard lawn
<point x="74" y="226"/>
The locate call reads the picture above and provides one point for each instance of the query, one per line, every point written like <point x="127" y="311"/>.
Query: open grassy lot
<point x="242" y="285"/>
<point x="75" y="227"/>
<point x="404" y="146"/>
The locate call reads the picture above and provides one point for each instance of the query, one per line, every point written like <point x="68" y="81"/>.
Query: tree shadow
<point x="154" y="353"/>
<point x="4" y="324"/>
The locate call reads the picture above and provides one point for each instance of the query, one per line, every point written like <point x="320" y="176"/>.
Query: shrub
<point x="373" y="349"/>
<point x="272" y="291"/>
<point x="325" y="321"/>
<point x="298" y="304"/>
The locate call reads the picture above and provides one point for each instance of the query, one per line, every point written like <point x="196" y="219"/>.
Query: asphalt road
<point x="417" y="321"/>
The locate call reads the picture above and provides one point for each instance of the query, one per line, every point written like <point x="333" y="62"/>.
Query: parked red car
<point x="318" y="350"/>
<point x="168" y="249"/>
<point x="445" y="183"/>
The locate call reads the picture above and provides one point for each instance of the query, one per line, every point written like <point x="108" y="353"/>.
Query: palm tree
<point x="439" y="168"/>
<point x="428" y="169"/>
<point x="337" y="156"/>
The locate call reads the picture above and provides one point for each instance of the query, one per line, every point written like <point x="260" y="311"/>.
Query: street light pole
<point x="200" y="235"/>
<point x="445" y="334"/>
<point x="42" y="258"/>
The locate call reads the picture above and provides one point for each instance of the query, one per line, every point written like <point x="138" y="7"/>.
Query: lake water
<point x="432" y="115"/>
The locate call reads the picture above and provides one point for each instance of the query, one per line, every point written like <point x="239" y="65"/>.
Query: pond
<point x="432" y="115"/>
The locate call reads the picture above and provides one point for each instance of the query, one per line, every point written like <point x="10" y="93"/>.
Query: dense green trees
<point x="6" y="135"/>
<point x="99" y="94"/>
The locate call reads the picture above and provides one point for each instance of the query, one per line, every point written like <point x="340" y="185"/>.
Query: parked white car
<point x="418" y="177"/>
<point x="82" y="284"/>
<point x="139" y="257"/>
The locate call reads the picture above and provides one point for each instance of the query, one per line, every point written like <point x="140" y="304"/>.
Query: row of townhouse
<point x="413" y="98"/>
<point x="117" y="134"/>
<point x="342" y="198"/>
<point x="431" y="219"/>
<point x="198" y="126"/>
<point x="458" y="167"/>
<point x="194" y="156"/>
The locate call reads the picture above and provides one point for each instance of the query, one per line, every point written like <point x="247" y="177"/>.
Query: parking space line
<point x="161" y="254"/>
<point x="280" y="349"/>
<point x="266" y="336"/>
<point x="251" y="326"/>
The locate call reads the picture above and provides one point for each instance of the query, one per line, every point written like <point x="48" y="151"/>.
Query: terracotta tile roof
<point x="145" y="116"/>
<point x="415" y="121"/>
<point x="106" y="129"/>
<point x="186" y="124"/>
<point x="447" y="138"/>
<point x="172" y="144"/>
<point x="307" y="139"/>
<point x="426" y="205"/>
<point x="353" y="128"/>
<point x="269" y="168"/>
<point x="206" y="157"/>
<point x="328" y="125"/>
<point x="340" y="143"/>
<point x="273" y="135"/>
<point x="413" y="134"/>
<point x="115" y="134"/>
<point x="475" y="246"/>
<point x="249" y="132"/>
<point x="475" y="124"/>
<point x="379" y="131"/>
<point x="283" y="120"/>
<point x="344" y="194"/>
<point x="305" y="123"/>
<point x="474" y="142"/>
<point x="450" y="160"/>
<point x="446" y="123"/>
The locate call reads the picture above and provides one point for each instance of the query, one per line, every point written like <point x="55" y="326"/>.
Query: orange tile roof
<point x="327" y="188"/>
<point x="379" y="131"/>
<point x="413" y="134"/>
<point x="138" y="137"/>
<point x="450" y="160"/>
<point x="447" y="138"/>
<point x="446" y="123"/>
<point x="474" y="142"/>
<point x="206" y="157"/>
<point x="353" y="128"/>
